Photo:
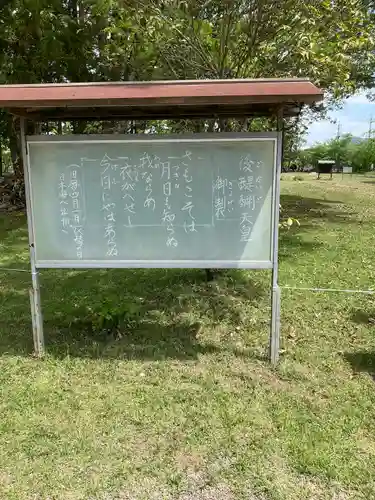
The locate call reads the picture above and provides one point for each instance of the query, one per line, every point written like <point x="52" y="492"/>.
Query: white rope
<point x="367" y="292"/>
<point x="284" y="287"/>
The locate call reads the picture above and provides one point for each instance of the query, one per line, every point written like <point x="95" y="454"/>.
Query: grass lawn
<point x="184" y="405"/>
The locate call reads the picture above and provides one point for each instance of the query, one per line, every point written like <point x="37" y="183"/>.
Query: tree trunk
<point x="15" y="153"/>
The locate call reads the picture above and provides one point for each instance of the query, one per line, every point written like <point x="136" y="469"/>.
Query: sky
<point x="354" y="118"/>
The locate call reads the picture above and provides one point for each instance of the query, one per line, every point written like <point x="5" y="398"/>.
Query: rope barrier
<point x="284" y="287"/>
<point x="339" y="290"/>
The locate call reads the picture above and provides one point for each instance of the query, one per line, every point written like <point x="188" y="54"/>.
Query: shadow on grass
<point x="292" y="246"/>
<point x="12" y="221"/>
<point x="311" y="213"/>
<point x="175" y="306"/>
<point x="362" y="361"/>
<point x="362" y="317"/>
<point x="314" y="209"/>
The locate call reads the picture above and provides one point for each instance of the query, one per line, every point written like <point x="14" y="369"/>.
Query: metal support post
<point x="276" y="293"/>
<point x="35" y="302"/>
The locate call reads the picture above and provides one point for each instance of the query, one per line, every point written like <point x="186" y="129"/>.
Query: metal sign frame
<point x="223" y="138"/>
<point x="35" y="298"/>
<point x="347" y="171"/>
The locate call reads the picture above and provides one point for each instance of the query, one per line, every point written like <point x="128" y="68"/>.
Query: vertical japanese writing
<point x="230" y="204"/>
<point x="246" y="225"/>
<point x="258" y="183"/>
<point x="150" y="200"/>
<point x="64" y="205"/>
<point x="75" y="195"/>
<point x="220" y="200"/>
<point x="167" y="197"/>
<point x="129" y="178"/>
<point x="224" y="201"/>
<point x="145" y="162"/>
<point x="188" y="206"/>
<point x="168" y="215"/>
<point x="108" y="180"/>
<point x="247" y="164"/>
<point x="147" y="165"/>
<point x="246" y="183"/>
<point x="249" y="185"/>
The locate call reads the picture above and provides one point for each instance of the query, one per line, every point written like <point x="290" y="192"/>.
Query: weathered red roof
<point x="163" y="99"/>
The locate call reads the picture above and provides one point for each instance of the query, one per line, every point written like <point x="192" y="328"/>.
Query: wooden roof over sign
<point x="159" y="100"/>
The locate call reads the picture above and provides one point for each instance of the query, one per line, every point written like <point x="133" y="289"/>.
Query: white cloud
<point x="325" y="130"/>
<point x="357" y="128"/>
<point x="358" y="99"/>
<point x="353" y="118"/>
<point x="321" y="131"/>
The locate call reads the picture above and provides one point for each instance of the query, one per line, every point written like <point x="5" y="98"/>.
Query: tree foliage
<point x="329" y="41"/>
<point x="345" y="150"/>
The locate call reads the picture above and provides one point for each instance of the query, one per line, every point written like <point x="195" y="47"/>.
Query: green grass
<point x="184" y="405"/>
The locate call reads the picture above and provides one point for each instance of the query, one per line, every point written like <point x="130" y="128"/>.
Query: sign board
<point x="325" y="166"/>
<point x="153" y="201"/>
<point x="347" y="170"/>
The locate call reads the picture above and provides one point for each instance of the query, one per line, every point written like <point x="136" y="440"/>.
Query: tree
<point x="331" y="42"/>
<point x="363" y="155"/>
<point x="74" y="40"/>
<point x="360" y="155"/>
